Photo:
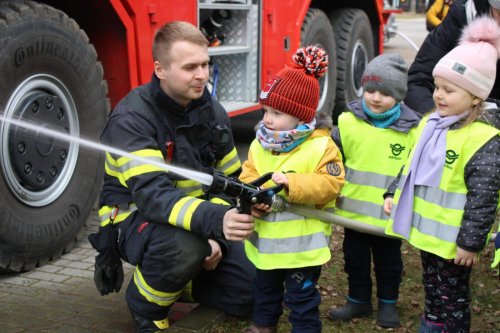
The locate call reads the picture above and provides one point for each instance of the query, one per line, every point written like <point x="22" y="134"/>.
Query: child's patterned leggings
<point x="447" y="294"/>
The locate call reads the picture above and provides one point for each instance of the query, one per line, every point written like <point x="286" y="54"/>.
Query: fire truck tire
<point x="50" y="78"/>
<point x="317" y="30"/>
<point x="355" y="48"/>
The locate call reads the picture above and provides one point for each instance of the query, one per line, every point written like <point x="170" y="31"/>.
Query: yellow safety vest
<point x="437" y="212"/>
<point x="373" y="158"/>
<point x="496" y="261"/>
<point x="283" y="239"/>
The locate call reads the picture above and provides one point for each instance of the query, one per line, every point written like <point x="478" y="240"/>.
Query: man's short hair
<point x="173" y="32"/>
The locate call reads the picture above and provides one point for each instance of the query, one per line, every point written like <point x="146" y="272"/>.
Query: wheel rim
<point x="37" y="169"/>
<point x="359" y="61"/>
<point x="323" y="88"/>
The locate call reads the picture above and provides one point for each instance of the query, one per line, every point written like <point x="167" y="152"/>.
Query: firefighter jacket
<point x="438" y="213"/>
<point x="373" y="157"/>
<point x="150" y="125"/>
<point x="315" y="174"/>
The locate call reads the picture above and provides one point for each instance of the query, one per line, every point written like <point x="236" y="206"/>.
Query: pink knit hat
<point x="472" y="65"/>
<point x="295" y="89"/>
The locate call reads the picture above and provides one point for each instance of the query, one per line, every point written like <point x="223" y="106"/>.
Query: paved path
<point x="61" y="297"/>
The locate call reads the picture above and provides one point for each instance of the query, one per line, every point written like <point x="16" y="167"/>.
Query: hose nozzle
<point x="249" y="194"/>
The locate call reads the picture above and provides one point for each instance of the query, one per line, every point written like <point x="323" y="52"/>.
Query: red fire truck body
<point x="65" y="64"/>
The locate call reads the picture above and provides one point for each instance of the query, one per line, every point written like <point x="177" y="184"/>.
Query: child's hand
<point x="465" y="258"/>
<point x="388" y="205"/>
<point x="260" y="209"/>
<point x="280" y="178"/>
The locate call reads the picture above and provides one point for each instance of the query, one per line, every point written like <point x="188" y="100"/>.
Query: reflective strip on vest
<point x="447" y="233"/>
<point x="438" y="211"/>
<point x="182" y="212"/>
<point x="359" y="207"/>
<point x="230" y="163"/>
<point x="284" y="239"/>
<point x="125" y="168"/>
<point x="368" y="178"/>
<point x="448" y="200"/>
<point x="370" y="168"/>
<point x="289" y="245"/>
<point x="105" y="213"/>
<point x="154" y="296"/>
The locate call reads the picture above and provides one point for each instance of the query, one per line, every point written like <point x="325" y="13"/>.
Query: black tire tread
<point x="17" y="10"/>
<point x="342" y="22"/>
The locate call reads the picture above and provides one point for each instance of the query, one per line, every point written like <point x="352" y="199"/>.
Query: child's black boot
<point x="388" y="316"/>
<point x="351" y="310"/>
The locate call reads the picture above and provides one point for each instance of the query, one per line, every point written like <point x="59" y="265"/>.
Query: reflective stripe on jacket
<point x="282" y="239"/>
<point x="437" y="212"/>
<point x="373" y="157"/>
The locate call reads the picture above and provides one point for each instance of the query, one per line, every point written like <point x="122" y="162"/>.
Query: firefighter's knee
<point x="178" y="257"/>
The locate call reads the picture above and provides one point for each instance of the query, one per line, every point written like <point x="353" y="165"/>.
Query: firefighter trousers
<point x="168" y="259"/>
<point x="388" y="265"/>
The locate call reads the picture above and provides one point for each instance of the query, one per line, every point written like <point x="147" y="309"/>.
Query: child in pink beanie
<point x="448" y="192"/>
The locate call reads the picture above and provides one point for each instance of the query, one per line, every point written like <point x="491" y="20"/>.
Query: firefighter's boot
<point x="388" y="316"/>
<point x="351" y="310"/>
<point x="260" y="329"/>
<point x="145" y="325"/>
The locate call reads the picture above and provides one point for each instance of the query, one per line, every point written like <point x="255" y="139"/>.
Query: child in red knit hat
<point x="293" y="142"/>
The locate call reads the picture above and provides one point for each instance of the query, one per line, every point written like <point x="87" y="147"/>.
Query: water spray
<point x="201" y="177"/>
<point x="393" y="31"/>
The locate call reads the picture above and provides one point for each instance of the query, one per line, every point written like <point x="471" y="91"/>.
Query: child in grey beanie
<point x="388" y="74"/>
<point x="374" y="138"/>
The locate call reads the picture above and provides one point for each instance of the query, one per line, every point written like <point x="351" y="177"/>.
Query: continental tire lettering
<point x="71" y="216"/>
<point x="32" y="232"/>
<point x="43" y="47"/>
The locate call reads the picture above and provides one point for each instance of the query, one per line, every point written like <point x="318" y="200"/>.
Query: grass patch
<point x="485" y="286"/>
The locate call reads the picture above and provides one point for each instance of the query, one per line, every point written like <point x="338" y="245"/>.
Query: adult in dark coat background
<point x="440" y="41"/>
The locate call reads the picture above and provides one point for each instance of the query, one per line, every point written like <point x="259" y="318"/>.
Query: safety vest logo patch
<point x="451" y="157"/>
<point x="396" y="150"/>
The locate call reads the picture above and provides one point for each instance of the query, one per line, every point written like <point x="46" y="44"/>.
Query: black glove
<point x="108" y="274"/>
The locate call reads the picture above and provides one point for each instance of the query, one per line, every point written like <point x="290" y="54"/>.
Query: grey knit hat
<point x="494" y="3"/>
<point x="388" y="74"/>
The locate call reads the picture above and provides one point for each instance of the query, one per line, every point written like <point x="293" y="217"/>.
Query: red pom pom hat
<point x="295" y="89"/>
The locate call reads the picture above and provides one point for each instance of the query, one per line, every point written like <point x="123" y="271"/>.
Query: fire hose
<point x="248" y="194"/>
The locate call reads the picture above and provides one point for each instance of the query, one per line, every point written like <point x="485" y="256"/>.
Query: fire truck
<point x="65" y="64"/>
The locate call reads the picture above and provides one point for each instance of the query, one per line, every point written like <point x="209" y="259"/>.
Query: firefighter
<point x="182" y="240"/>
